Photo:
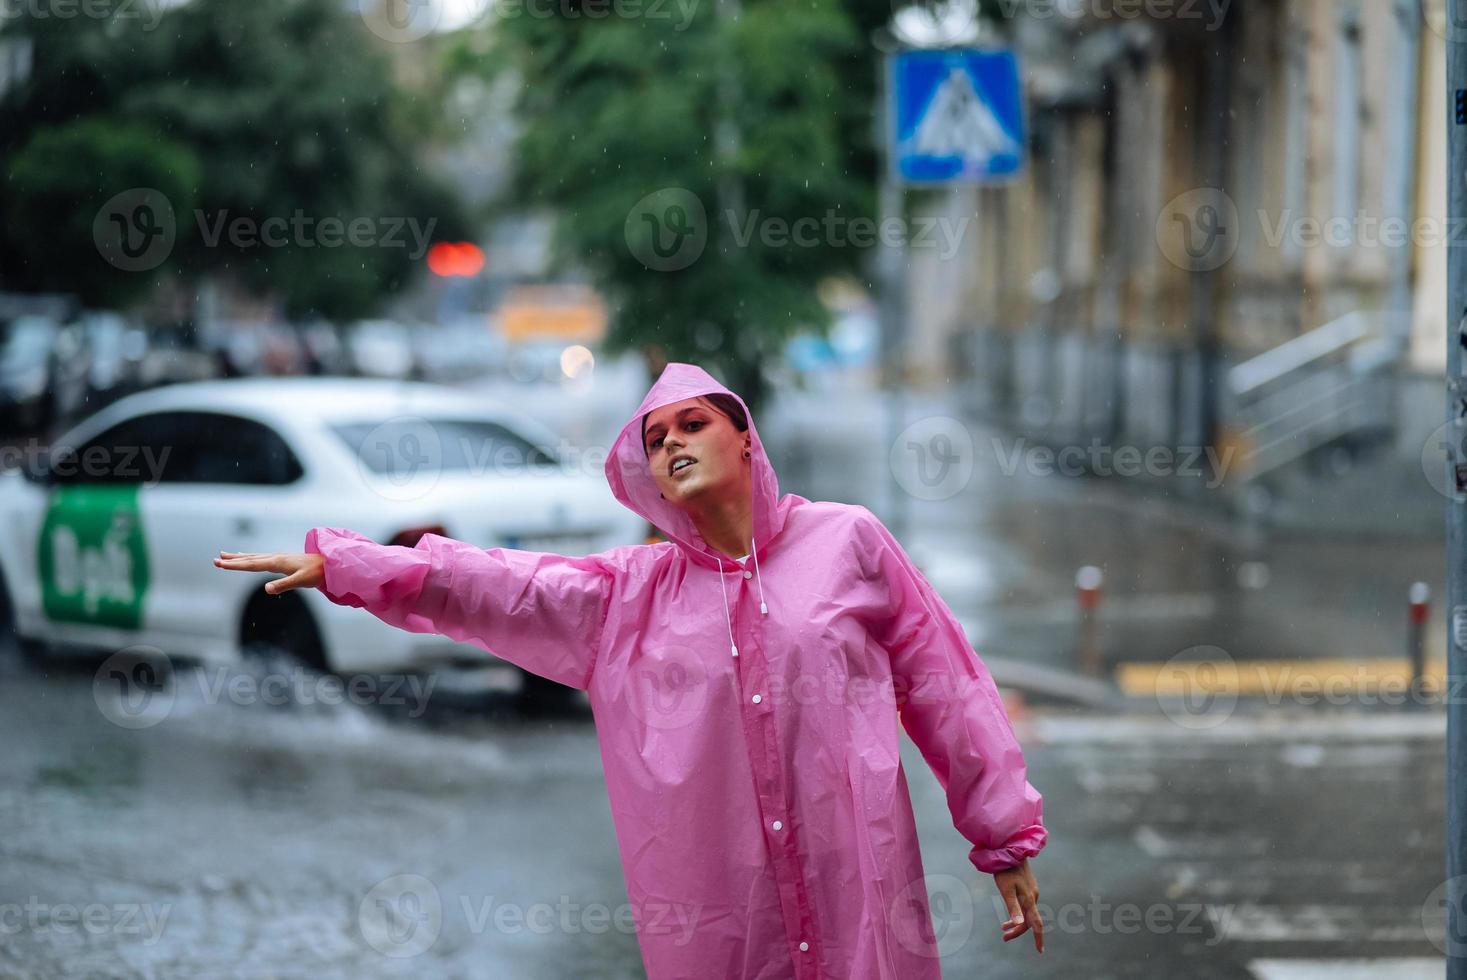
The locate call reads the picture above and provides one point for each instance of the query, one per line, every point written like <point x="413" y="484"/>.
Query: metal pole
<point x="1087" y="593"/>
<point x="1401" y="194"/>
<point x="892" y="280"/>
<point x="726" y="135"/>
<point x="1418" y="605"/>
<point x="1214" y="132"/>
<point x="1456" y="598"/>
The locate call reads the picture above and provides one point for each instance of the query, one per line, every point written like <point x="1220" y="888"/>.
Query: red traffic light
<point x="455" y="259"/>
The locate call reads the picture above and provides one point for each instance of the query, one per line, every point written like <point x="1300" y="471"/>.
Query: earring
<point x="746" y="454"/>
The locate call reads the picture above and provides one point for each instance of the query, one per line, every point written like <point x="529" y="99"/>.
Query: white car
<point x="109" y="544"/>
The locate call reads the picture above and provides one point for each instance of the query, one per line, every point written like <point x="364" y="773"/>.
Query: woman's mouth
<point x="681" y="466"/>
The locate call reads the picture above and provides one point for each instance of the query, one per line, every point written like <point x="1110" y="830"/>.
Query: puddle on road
<point x="237" y="837"/>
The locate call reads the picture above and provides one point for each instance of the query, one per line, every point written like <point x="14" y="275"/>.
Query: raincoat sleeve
<point x="950" y="706"/>
<point x="541" y="611"/>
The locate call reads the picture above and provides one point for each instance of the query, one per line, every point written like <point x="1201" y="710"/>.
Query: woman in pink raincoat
<point x="747" y="678"/>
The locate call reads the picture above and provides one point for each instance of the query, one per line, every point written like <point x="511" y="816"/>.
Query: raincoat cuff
<point x="1025" y="844"/>
<point x="362" y="573"/>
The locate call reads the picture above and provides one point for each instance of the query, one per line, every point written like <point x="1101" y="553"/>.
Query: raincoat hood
<point x="630" y="475"/>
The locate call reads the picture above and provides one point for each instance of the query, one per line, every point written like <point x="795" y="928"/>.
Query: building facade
<point x="1234" y="217"/>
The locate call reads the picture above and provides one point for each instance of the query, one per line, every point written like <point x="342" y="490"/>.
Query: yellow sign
<point x="571" y="313"/>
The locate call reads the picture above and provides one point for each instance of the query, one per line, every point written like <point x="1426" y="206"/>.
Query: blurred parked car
<point x="252" y="347"/>
<point x="173" y="355"/>
<point x="70" y="373"/>
<point x="458" y="352"/>
<point x="325" y="349"/>
<point x="381" y="349"/>
<point x="109" y="544"/>
<point x="25" y="369"/>
<point x="117" y="347"/>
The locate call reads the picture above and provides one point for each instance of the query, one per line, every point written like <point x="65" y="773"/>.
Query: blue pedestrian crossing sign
<point x="957" y="116"/>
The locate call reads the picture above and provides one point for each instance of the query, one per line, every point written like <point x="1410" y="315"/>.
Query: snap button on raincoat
<point x="749" y="727"/>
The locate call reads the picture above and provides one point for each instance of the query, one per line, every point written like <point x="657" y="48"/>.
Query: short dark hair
<point x="726" y="404"/>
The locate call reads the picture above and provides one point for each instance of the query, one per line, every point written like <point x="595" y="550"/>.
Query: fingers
<point x="1031" y="910"/>
<point x="1022" y="904"/>
<point x="293" y="581"/>
<point x="296" y="569"/>
<point x="1014" y="926"/>
<point x="255" y="561"/>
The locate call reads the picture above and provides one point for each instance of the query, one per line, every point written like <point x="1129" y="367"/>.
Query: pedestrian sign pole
<point x="948" y="115"/>
<point x="1456" y="483"/>
<point x="891" y="277"/>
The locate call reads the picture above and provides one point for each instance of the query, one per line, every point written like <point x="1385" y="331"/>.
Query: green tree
<point x="624" y="135"/>
<point x="57" y="239"/>
<point x="286" y="107"/>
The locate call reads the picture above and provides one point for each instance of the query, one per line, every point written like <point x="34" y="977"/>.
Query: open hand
<point x="1020" y="894"/>
<point x="301" y="571"/>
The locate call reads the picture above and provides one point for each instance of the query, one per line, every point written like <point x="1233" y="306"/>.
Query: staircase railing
<point x="1333" y="382"/>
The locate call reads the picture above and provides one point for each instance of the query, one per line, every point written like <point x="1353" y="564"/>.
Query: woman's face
<point x="692" y="428"/>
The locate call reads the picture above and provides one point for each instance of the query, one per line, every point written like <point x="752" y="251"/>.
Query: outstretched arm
<point x="541" y="611"/>
<point x="951" y="708"/>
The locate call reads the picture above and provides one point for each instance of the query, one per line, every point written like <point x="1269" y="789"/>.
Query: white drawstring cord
<point x="763" y="609"/>
<point x="734" y="647"/>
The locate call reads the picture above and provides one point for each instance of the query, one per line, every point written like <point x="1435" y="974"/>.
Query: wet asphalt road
<point x="309" y="840"/>
<point x="233" y="839"/>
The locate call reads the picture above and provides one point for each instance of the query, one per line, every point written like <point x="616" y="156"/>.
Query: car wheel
<point x="7" y="613"/>
<point x="279" y="630"/>
<point x="30" y="650"/>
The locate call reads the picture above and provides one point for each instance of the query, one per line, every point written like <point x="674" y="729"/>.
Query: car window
<point x="181" y="447"/>
<point x="397" y="447"/>
<point x="236" y="450"/>
<point x="134" y="451"/>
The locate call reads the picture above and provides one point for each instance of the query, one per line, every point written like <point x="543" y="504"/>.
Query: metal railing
<point x="1334" y="382"/>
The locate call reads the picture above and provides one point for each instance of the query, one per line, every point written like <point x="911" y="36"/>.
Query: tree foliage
<point x="257" y="110"/>
<point x="613" y="109"/>
<point x="48" y="173"/>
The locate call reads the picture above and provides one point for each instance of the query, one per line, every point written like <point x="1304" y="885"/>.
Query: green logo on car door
<point x="92" y="557"/>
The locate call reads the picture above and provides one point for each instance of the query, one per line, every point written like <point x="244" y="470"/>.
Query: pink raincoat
<point x="748" y="725"/>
